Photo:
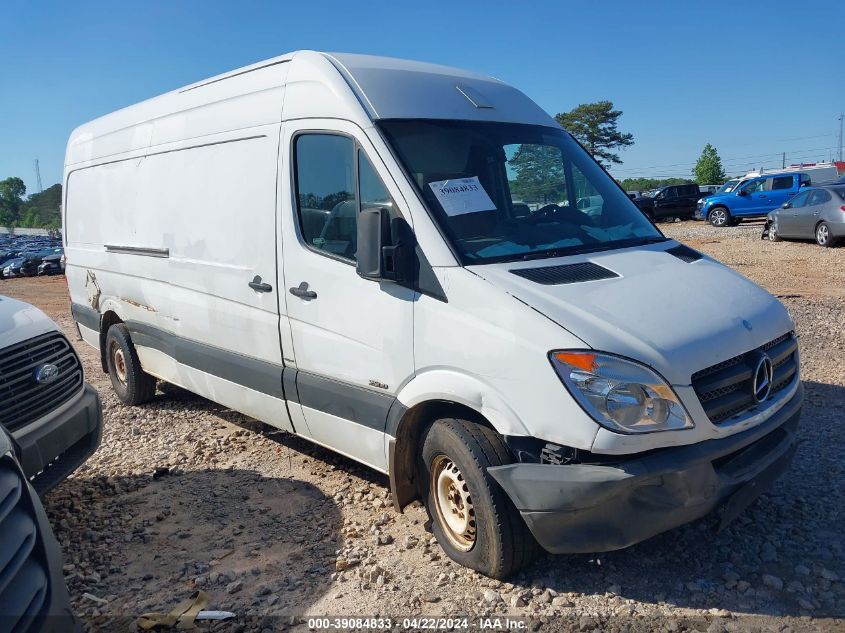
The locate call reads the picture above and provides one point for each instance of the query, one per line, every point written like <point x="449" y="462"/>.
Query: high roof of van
<point x="305" y="84"/>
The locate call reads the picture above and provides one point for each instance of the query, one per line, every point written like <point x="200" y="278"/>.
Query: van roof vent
<point x="685" y="253"/>
<point x="474" y="97"/>
<point x="566" y="274"/>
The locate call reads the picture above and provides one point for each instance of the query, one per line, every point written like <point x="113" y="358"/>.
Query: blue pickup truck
<point x="753" y="198"/>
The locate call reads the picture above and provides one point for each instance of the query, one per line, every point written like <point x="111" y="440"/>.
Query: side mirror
<point x="785" y="205"/>
<point x="385" y="247"/>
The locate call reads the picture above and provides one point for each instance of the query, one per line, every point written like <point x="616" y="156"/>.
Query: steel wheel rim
<point x="453" y="503"/>
<point x="719" y="217"/>
<point x="119" y="361"/>
<point x="822" y="234"/>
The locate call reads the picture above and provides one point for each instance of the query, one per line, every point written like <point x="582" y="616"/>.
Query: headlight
<point x="621" y="395"/>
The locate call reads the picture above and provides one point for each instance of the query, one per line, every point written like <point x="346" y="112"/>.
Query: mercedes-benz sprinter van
<point x="330" y="243"/>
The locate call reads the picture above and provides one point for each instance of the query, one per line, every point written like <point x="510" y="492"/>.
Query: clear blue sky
<point x="753" y="78"/>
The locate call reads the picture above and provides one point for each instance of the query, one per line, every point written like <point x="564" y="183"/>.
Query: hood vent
<point x="685" y="253"/>
<point x="567" y="274"/>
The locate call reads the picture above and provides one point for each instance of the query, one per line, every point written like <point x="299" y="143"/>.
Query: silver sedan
<point x="815" y="213"/>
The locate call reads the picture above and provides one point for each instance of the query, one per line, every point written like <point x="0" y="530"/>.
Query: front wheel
<point x="773" y="232"/>
<point x="719" y="216"/>
<point x="473" y="519"/>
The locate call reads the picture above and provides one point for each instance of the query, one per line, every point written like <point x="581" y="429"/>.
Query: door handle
<point x="302" y="291"/>
<point x="260" y="286"/>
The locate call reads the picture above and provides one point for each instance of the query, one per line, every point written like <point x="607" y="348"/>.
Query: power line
<point x="728" y="161"/>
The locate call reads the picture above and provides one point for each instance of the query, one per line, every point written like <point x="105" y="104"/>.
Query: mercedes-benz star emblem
<point x="761" y="382"/>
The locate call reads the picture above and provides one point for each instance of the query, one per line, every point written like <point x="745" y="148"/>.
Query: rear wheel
<point x="473" y="519"/>
<point x="823" y="236"/>
<point x="719" y="216"/>
<point x="131" y="383"/>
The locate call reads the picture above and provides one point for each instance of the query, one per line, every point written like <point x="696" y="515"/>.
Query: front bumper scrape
<point x="585" y="508"/>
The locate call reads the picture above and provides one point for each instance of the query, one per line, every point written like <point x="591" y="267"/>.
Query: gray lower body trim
<point x="252" y="373"/>
<point x="344" y="400"/>
<point x="86" y="316"/>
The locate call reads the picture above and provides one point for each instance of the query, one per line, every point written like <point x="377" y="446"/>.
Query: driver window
<point x="325" y="192"/>
<point x="755" y="185"/>
<point x="798" y="201"/>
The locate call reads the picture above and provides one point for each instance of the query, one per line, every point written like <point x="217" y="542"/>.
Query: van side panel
<point x="170" y="240"/>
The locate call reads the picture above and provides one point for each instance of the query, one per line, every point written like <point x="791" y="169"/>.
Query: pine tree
<point x="708" y="170"/>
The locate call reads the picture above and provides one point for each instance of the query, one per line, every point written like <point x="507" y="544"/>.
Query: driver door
<point x="788" y="217"/>
<point x="352" y="338"/>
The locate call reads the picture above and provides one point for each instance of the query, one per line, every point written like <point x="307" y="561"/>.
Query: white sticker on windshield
<point x="462" y="195"/>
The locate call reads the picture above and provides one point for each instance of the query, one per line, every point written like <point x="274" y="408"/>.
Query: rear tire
<point x="719" y="217"/>
<point x="823" y="236"/>
<point x="473" y="519"/>
<point x="131" y="383"/>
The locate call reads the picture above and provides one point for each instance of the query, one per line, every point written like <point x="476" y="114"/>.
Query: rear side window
<point x="782" y="182"/>
<point x="819" y="196"/>
<point x="326" y="195"/>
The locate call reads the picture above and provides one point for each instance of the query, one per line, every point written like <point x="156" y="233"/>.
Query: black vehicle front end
<point x="33" y="594"/>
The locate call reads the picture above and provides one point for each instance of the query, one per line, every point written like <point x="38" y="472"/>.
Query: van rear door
<point x="352" y="338"/>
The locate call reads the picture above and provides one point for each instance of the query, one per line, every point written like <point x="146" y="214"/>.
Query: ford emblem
<point x="46" y="373"/>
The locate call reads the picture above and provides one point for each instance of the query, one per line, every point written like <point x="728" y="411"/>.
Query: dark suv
<point x="674" y="201"/>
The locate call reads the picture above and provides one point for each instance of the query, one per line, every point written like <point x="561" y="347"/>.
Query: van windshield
<point x="504" y="191"/>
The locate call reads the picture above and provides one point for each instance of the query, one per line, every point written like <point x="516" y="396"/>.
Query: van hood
<point x="675" y="316"/>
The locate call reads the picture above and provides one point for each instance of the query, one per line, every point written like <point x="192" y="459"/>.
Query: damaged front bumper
<point x="584" y="508"/>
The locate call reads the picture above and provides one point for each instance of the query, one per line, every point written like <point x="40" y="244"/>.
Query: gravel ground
<point x="186" y="494"/>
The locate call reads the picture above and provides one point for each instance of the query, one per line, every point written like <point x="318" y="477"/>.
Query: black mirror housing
<point x="385" y="247"/>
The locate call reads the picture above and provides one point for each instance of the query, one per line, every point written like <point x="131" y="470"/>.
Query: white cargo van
<point x="329" y="243"/>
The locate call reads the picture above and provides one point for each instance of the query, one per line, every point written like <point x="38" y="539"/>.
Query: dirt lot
<point x="186" y="494"/>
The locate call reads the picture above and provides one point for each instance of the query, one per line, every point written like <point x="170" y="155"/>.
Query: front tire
<point x="130" y="382"/>
<point x="473" y="519"/>
<point x="823" y="236"/>
<point x="719" y="217"/>
<point x="773" y="233"/>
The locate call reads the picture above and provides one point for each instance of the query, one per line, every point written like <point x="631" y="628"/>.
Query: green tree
<point x="539" y="174"/>
<point x="645" y="184"/>
<point x="708" y="170"/>
<point x="595" y="127"/>
<point x="43" y="210"/>
<point x="12" y="191"/>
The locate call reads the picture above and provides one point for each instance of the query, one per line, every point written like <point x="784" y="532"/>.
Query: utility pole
<point x="38" y="177"/>
<point x="783" y="161"/>
<point x="840" y="136"/>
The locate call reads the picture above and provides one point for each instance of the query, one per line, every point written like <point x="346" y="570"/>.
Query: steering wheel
<point x="547" y="213"/>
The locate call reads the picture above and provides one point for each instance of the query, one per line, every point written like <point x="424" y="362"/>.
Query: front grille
<point x="725" y="389"/>
<point x="22" y="399"/>
<point x="24" y="583"/>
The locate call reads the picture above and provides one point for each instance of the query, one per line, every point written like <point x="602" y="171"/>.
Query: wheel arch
<point x="431" y="396"/>
<point x="108" y="318"/>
